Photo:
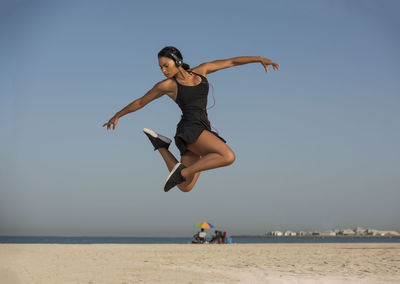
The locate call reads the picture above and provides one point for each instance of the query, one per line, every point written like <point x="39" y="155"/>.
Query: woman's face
<point x="167" y="66"/>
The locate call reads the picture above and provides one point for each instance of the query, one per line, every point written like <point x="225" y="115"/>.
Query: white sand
<point x="236" y="263"/>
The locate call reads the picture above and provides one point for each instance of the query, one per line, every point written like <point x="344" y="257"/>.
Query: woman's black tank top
<point x="192" y="98"/>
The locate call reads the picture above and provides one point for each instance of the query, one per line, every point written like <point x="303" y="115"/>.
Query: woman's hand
<point x="113" y="121"/>
<point x="265" y="62"/>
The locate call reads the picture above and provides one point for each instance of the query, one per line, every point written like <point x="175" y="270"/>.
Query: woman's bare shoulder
<point x="200" y="70"/>
<point x="166" y="85"/>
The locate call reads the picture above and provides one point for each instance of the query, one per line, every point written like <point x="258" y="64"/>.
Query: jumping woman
<point x="200" y="148"/>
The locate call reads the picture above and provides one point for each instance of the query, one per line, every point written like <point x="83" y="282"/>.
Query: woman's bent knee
<point x="229" y="157"/>
<point x="186" y="188"/>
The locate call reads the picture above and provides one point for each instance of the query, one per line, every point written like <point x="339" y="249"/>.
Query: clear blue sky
<point x="317" y="143"/>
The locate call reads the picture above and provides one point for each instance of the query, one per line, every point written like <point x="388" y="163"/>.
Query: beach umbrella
<point x="204" y="225"/>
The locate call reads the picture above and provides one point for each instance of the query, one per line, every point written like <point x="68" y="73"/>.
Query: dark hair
<point x="173" y="53"/>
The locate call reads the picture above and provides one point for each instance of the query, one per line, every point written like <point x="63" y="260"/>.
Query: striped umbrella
<point x="204" y="225"/>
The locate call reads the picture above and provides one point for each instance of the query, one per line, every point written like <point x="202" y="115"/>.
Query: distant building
<point x="387" y="234"/>
<point x="378" y="233"/>
<point x="347" y="232"/>
<point x="290" y="234"/>
<point x="375" y="233"/>
<point x="276" y="233"/>
<point x="315" y="233"/>
<point x="360" y="231"/>
<point x="302" y="234"/>
<point x="328" y="234"/>
<point x="394" y="233"/>
<point x="331" y="233"/>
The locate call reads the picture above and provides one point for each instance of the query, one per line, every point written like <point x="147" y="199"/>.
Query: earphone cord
<point x="207" y="108"/>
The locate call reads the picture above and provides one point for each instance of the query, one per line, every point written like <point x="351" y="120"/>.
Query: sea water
<point x="186" y="240"/>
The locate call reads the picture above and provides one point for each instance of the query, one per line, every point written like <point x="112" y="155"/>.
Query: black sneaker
<point x="156" y="139"/>
<point x="174" y="177"/>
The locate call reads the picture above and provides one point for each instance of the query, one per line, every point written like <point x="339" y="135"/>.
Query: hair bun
<point x="185" y="66"/>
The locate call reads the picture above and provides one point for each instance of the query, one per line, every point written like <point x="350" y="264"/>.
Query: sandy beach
<point x="186" y="263"/>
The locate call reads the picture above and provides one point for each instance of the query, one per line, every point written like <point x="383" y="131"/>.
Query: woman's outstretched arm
<point x="157" y="91"/>
<point x="210" y="67"/>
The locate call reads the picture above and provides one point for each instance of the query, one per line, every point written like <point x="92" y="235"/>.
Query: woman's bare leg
<point x="169" y="159"/>
<point x="188" y="159"/>
<point x="214" y="152"/>
<point x="208" y="152"/>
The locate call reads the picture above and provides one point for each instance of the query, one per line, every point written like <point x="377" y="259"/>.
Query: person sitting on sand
<point x="200" y="236"/>
<point x="214" y="238"/>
